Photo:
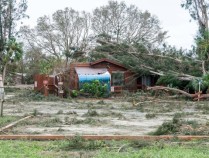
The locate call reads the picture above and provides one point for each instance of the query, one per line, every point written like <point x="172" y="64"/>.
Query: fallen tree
<point x="195" y="96"/>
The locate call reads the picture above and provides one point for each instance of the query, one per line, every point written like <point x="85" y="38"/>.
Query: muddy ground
<point x="114" y="116"/>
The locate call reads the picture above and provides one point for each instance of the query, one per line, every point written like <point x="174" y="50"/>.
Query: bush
<point x="94" y="89"/>
<point x="74" y="93"/>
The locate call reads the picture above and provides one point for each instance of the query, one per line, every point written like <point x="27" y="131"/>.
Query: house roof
<point x="90" y="71"/>
<point x="107" y="60"/>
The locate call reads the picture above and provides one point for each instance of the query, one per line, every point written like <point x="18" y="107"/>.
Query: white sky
<point x="174" y="19"/>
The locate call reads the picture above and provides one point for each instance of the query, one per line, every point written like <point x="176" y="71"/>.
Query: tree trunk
<point x="175" y="90"/>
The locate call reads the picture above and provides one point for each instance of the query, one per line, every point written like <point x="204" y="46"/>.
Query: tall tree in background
<point x="11" y="11"/>
<point x="127" y="24"/>
<point x="198" y="10"/>
<point x="63" y="34"/>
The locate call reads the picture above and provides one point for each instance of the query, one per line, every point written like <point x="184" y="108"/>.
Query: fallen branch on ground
<point x="178" y="91"/>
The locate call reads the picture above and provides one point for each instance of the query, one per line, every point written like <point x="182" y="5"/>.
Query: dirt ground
<point x="115" y="116"/>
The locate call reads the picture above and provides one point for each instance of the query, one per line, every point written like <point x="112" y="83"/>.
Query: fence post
<point x="1" y="96"/>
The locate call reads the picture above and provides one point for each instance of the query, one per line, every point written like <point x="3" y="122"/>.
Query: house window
<point x="117" y="78"/>
<point x="146" y="80"/>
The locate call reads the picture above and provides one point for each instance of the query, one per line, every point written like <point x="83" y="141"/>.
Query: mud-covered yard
<point x="114" y="116"/>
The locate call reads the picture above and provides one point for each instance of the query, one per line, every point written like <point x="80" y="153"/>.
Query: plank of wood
<point x="14" y="123"/>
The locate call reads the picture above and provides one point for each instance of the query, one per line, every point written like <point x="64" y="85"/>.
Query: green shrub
<point x="94" y="89"/>
<point x="74" y="93"/>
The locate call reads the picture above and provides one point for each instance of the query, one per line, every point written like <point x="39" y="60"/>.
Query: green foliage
<point x="12" y="52"/>
<point x="169" y="80"/>
<point x="46" y="66"/>
<point x="180" y="126"/>
<point x="74" y="93"/>
<point x="166" y="128"/>
<point x="170" y="127"/>
<point x="94" y="89"/>
<point x="11" y="11"/>
<point x="202" y="42"/>
<point x="205" y="80"/>
<point x="195" y="83"/>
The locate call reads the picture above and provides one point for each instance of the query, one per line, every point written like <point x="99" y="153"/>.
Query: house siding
<point x="129" y="77"/>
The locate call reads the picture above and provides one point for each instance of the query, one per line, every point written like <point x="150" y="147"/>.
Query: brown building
<point x="120" y="77"/>
<point x="115" y="75"/>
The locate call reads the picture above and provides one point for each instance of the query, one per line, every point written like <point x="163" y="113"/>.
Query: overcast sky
<point x="174" y="19"/>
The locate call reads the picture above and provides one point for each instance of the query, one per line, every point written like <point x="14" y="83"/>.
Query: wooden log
<point x="175" y="90"/>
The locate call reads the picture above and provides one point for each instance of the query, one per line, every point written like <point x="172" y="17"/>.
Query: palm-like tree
<point x="12" y="52"/>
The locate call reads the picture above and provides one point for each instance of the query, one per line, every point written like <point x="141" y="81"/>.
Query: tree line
<point x="116" y="30"/>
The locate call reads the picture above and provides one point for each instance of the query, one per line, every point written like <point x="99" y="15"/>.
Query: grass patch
<point x="35" y="149"/>
<point x="80" y="148"/>
<point x="8" y="119"/>
<point x="157" y="152"/>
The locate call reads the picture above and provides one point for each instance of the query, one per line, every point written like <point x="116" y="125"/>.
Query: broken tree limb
<point x="180" y="76"/>
<point x="175" y="90"/>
